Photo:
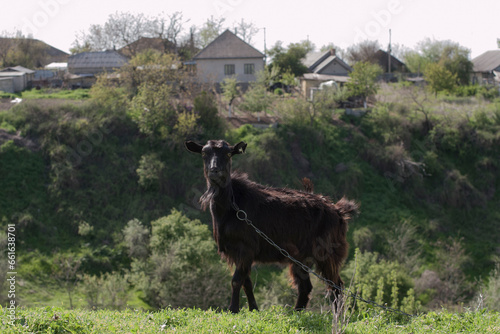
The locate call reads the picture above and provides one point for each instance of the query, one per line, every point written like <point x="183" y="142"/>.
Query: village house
<point x="323" y="67"/>
<point x="486" y="68"/>
<point x="227" y="56"/>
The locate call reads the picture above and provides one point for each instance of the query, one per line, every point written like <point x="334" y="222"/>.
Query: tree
<point x="290" y="59"/>
<point x="210" y="30"/>
<point x="169" y="27"/>
<point x="339" y="52"/>
<point x="18" y="49"/>
<point x="363" y="80"/>
<point x="151" y="67"/>
<point x="67" y="269"/>
<point x="246" y="31"/>
<point x="120" y="30"/>
<point x="324" y="101"/>
<point x="230" y="91"/>
<point x="152" y="110"/>
<point x="439" y="78"/>
<point x="456" y="60"/>
<point x="257" y="98"/>
<point x="364" y="51"/>
<point x="123" y="28"/>
<point x="451" y="55"/>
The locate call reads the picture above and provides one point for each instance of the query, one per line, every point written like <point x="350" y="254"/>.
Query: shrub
<point x="363" y="239"/>
<point x="403" y="246"/>
<point x="394" y="162"/>
<point x="489" y="291"/>
<point x="107" y="291"/>
<point x="459" y="192"/>
<point x="136" y="237"/>
<point x="206" y="109"/>
<point x="446" y="285"/>
<point x="184" y="269"/>
<point x="377" y="278"/>
<point x="150" y="171"/>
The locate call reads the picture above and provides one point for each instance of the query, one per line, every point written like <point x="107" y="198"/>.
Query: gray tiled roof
<point x="488" y="61"/>
<point x="317" y="61"/>
<point x="228" y="45"/>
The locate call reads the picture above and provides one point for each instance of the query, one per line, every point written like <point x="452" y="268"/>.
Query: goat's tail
<point x="308" y="185"/>
<point x="347" y="208"/>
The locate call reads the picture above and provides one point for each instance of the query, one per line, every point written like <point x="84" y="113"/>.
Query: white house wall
<point x="212" y="70"/>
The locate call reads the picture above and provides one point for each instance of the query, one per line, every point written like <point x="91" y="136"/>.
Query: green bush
<point x="379" y="280"/>
<point x="183" y="269"/>
<point x="488" y="295"/>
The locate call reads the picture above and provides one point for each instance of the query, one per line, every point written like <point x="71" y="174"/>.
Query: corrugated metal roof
<point x="18" y="69"/>
<point x="12" y="74"/>
<point x="228" y="45"/>
<point x="104" y="59"/>
<point x="487" y="62"/>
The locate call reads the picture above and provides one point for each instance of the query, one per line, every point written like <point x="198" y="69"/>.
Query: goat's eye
<point x="229" y="154"/>
<point x="203" y="154"/>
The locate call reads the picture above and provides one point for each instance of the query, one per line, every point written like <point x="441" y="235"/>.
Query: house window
<point x="229" y="69"/>
<point x="249" y="68"/>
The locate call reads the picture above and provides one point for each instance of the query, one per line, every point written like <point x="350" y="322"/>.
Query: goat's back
<point x="295" y="220"/>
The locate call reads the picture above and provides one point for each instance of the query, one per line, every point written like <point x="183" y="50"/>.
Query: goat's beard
<point x="208" y="196"/>
<point x="215" y="186"/>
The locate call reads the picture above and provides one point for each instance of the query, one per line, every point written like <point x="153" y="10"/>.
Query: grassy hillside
<point x="93" y="185"/>
<point x="275" y="320"/>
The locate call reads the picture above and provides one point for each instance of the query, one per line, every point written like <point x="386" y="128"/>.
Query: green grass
<point x="49" y="93"/>
<point x="275" y="320"/>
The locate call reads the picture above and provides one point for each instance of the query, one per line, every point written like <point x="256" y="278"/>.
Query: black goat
<point x="308" y="226"/>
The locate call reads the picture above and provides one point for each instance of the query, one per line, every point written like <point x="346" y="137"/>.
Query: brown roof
<point x="228" y="45"/>
<point x="487" y="62"/>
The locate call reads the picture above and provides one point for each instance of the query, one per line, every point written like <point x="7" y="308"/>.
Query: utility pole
<point x="389" y="53"/>
<point x="265" y="51"/>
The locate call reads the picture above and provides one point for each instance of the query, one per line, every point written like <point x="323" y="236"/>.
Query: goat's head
<point x="216" y="156"/>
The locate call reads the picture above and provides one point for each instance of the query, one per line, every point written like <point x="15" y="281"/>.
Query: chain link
<point x="244" y="217"/>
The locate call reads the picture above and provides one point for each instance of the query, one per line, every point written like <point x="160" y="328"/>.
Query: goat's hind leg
<point x="248" y="288"/>
<point x="303" y="283"/>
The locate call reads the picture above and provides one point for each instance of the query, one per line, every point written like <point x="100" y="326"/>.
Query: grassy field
<point x="275" y="320"/>
<point x="49" y="93"/>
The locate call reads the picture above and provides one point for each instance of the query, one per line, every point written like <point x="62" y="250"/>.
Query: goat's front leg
<point x="241" y="278"/>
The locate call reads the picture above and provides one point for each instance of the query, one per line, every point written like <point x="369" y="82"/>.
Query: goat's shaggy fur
<point x="310" y="227"/>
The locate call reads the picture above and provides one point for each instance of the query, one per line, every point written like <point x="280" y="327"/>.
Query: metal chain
<point x="242" y="215"/>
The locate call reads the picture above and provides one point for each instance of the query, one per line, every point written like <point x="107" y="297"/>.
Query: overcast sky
<point x="473" y="24"/>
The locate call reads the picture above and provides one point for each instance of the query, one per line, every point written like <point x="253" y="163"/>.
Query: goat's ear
<point x="193" y="147"/>
<point x="239" y="148"/>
